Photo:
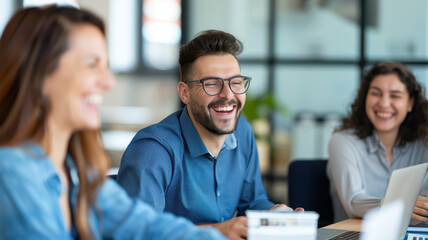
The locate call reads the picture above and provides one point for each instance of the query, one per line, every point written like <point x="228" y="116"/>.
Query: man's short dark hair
<point x="210" y="42"/>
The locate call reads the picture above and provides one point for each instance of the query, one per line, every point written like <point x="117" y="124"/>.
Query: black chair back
<point x="308" y="187"/>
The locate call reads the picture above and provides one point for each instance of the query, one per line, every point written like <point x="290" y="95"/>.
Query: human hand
<point x="234" y="229"/>
<point x="283" y="207"/>
<point x="420" y="212"/>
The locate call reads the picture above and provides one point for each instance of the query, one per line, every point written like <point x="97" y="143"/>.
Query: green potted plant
<point x="257" y="110"/>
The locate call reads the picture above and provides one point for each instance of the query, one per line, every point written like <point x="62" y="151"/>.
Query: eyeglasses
<point x="214" y="85"/>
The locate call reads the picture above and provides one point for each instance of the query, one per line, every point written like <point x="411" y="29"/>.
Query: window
<point x="310" y="55"/>
<point x="147" y="45"/>
<point x="6" y="11"/>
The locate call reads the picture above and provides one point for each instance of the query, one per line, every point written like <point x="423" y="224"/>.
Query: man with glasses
<point x="201" y="162"/>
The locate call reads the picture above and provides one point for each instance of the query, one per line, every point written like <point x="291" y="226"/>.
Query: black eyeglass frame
<point x="222" y="86"/>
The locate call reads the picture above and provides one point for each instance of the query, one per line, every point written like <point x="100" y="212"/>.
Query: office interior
<point x="305" y="57"/>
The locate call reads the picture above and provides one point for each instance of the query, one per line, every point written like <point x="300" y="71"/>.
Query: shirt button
<point x="222" y="219"/>
<point x="218" y="193"/>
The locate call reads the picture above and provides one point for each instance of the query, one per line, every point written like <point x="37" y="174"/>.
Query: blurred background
<point x="306" y="58"/>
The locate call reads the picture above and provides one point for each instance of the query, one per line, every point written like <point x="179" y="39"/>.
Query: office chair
<point x="308" y="187"/>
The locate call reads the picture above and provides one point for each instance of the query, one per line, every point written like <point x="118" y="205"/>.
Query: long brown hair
<point x="30" y="49"/>
<point x="414" y="126"/>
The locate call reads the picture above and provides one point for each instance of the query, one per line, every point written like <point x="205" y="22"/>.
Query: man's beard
<point x="207" y="121"/>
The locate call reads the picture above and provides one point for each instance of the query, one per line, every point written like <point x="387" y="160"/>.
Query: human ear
<point x="184" y="92"/>
<point x="410" y="105"/>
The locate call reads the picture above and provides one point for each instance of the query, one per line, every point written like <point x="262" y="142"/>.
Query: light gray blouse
<point x="359" y="172"/>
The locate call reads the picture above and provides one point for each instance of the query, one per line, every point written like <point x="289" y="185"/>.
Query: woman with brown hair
<point x="53" y="73"/>
<point x="387" y="129"/>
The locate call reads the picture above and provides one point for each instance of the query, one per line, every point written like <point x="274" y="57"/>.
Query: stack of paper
<point x="273" y="225"/>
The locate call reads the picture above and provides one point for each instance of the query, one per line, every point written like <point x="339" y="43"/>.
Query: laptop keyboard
<point x="417" y="236"/>
<point x="348" y="235"/>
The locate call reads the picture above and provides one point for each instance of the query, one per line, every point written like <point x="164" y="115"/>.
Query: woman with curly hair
<point x="387" y="129"/>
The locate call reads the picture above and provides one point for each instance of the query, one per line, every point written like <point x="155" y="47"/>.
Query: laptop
<point x="404" y="184"/>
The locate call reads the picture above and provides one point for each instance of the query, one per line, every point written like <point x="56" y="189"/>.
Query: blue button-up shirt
<point x="168" y="166"/>
<point x="29" y="205"/>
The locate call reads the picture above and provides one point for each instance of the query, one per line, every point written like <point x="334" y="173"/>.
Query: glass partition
<point x="317" y="29"/>
<point x="259" y="75"/>
<point x="6" y="11"/>
<point x="316" y="89"/>
<point x="245" y="19"/>
<point x="400" y="31"/>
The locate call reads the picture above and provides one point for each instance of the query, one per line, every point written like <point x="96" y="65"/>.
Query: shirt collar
<point x="230" y="142"/>
<point x="49" y="174"/>
<point x="72" y="169"/>
<point x="373" y="144"/>
<point x="35" y="151"/>
<point x="194" y="142"/>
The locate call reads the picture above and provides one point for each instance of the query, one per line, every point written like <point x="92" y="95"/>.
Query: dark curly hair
<point x="414" y="126"/>
<point x="209" y="42"/>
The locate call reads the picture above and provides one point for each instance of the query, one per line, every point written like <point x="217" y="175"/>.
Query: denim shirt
<point x="169" y="167"/>
<point x="29" y="205"/>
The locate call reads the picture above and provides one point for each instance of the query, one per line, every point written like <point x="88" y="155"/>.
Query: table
<point x="351" y="224"/>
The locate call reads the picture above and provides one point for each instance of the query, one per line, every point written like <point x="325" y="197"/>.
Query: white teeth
<point x="384" y="115"/>
<point x="94" y="98"/>
<point x="224" y="109"/>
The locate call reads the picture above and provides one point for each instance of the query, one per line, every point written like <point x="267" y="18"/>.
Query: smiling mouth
<point x="223" y="109"/>
<point x="94" y="98"/>
<point x="384" y="114"/>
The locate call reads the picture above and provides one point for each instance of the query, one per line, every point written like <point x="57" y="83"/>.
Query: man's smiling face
<point x="218" y="114"/>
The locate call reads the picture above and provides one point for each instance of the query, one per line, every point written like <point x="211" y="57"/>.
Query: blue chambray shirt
<point x="168" y="166"/>
<point x="29" y="207"/>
